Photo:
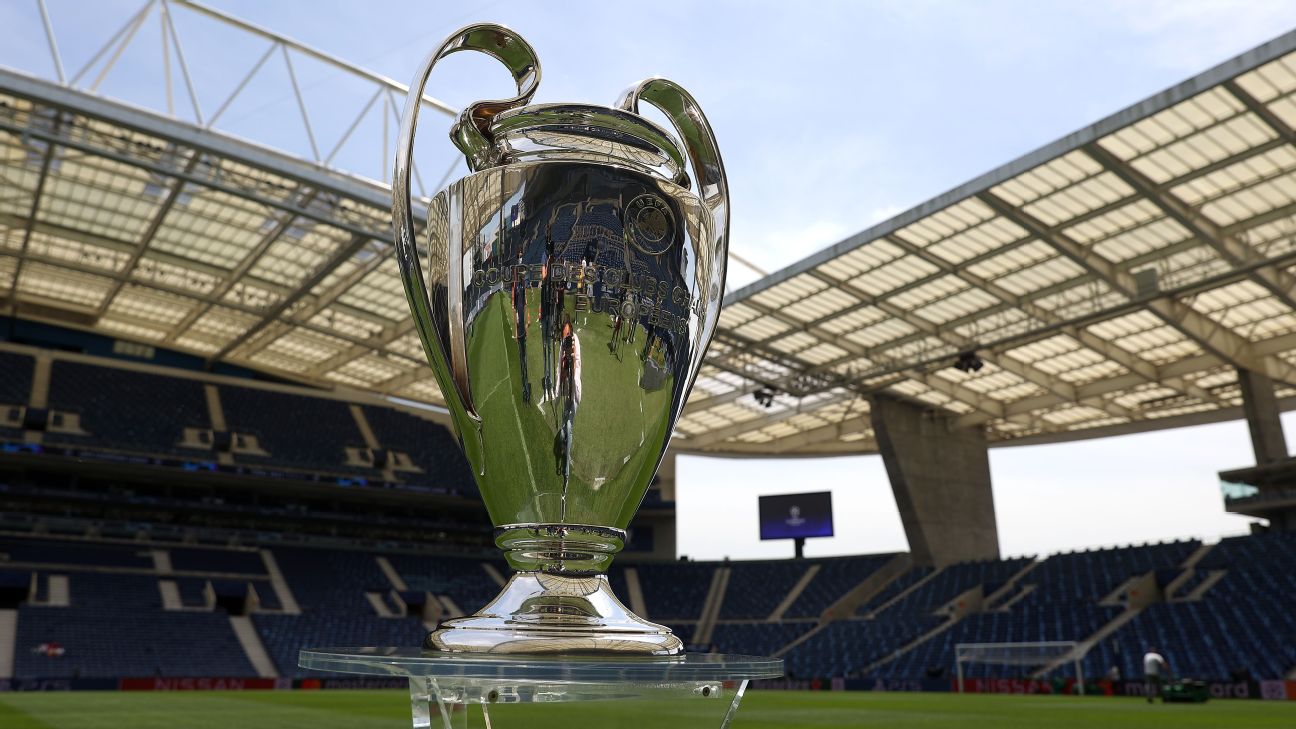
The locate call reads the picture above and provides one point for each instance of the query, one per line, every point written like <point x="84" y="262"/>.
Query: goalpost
<point x="1036" y="655"/>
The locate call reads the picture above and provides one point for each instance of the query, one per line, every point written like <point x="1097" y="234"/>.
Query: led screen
<point x="788" y="516"/>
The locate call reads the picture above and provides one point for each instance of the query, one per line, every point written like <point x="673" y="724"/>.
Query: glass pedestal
<point x="482" y="691"/>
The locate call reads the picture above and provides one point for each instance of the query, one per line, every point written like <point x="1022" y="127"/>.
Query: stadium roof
<point x="1111" y="281"/>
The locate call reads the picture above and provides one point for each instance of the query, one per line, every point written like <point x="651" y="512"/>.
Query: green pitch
<point x="785" y="710"/>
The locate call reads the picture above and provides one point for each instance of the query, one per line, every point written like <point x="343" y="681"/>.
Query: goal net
<point x="1038" y="656"/>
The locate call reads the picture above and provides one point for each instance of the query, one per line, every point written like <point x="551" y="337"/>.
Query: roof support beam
<point x="1267" y="115"/>
<point x="249" y="261"/>
<point x="719" y="435"/>
<point x="121" y="246"/>
<point x="37" y="195"/>
<point x="389" y="335"/>
<point x="1236" y="252"/>
<point x="359" y="273"/>
<point x="271" y="316"/>
<point x="388" y="387"/>
<point x="1211" y="335"/>
<point x="1230" y="230"/>
<point x="835" y="432"/>
<point x="1130" y="361"/>
<point x="1043" y="380"/>
<point x="961" y="270"/>
<point x="1088" y="319"/>
<point x="341" y="359"/>
<point x="196" y="178"/>
<point x="150" y="232"/>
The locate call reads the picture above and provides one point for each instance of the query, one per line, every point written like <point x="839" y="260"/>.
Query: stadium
<point x="220" y="442"/>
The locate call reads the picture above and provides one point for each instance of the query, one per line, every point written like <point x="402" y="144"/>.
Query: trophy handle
<point x="470" y="135"/>
<point x="708" y="170"/>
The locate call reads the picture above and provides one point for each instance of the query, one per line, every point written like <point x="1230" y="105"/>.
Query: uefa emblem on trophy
<point x="573" y="283"/>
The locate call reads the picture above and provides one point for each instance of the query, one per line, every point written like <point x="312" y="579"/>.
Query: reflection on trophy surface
<point x="573" y="283"/>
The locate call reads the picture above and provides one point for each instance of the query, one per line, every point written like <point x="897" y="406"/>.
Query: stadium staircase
<point x="493" y="572"/>
<point x="868" y="588"/>
<point x="1085" y="646"/>
<point x="397" y="582"/>
<point x="794" y="593"/>
<point x="711" y="607"/>
<point x="252" y="646"/>
<point x="903" y="594"/>
<point x="57" y="593"/>
<point x="40" y="390"/>
<point x="788" y="648"/>
<point x="1021" y="593"/>
<point x="452" y="609"/>
<point x="1197" y="556"/>
<point x="1010" y="589"/>
<point x="1198" y="592"/>
<point x="8" y="641"/>
<point x="973" y="599"/>
<point x="282" y="592"/>
<point x="170" y="594"/>
<point x="216" y="416"/>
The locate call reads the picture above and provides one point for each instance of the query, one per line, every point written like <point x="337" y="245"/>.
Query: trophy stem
<point x="539" y="612"/>
<point x="560" y="549"/>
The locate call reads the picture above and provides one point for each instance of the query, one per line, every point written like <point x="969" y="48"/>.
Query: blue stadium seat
<point x="127" y="410"/>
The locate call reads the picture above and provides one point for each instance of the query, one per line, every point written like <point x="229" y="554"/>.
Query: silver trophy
<point x="574" y="281"/>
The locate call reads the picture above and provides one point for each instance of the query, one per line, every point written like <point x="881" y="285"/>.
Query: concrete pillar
<point x="940" y="475"/>
<point x="666" y="476"/>
<point x="1262" y="414"/>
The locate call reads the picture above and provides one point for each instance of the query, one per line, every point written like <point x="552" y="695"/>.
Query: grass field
<point x="786" y="710"/>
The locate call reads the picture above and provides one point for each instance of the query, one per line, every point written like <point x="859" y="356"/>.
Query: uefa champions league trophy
<point x="573" y="282"/>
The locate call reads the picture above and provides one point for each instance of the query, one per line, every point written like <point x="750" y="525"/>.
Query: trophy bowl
<point x="573" y="282"/>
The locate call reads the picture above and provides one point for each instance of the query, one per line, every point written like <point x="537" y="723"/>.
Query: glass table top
<point x="416" y="662"/>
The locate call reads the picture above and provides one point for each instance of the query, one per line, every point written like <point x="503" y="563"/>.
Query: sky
<point x="831" y="116"/>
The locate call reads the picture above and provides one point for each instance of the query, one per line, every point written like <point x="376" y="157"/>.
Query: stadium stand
<point x="1201" y="604"/>
<point x="429" y="446"/>
<point x="15" y="389"/>
<point x="756" y="588"/>
<point x="330" y="587"/>
<point x="950" y="582"/>
<point x="192" y="591"/>
<point x="217" y="560"/>
<point x="117" y="410"/>
<point x="51" y="552"/>
<point x="285" y="635"/>
<point x="15" y="378"/>
<point x="761" y="639"/>
<point x="895" y="589"/>
<point x="123" y="409"/>
<point x="275" y="418"/>
<point x="1094" y="574"/>
<point x="1035" y="619"/>
<point x="835" y="578"/>
<point x="464" y="580"/>
<point x="675" y="591"/>
<point x="1244" y="625"/>
<point x="1241" y="626"/>
<point x="115" y="626"/>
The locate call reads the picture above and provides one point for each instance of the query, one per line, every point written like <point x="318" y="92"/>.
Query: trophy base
<point x="543" y="613"/>
<point x="477" y="691"/>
